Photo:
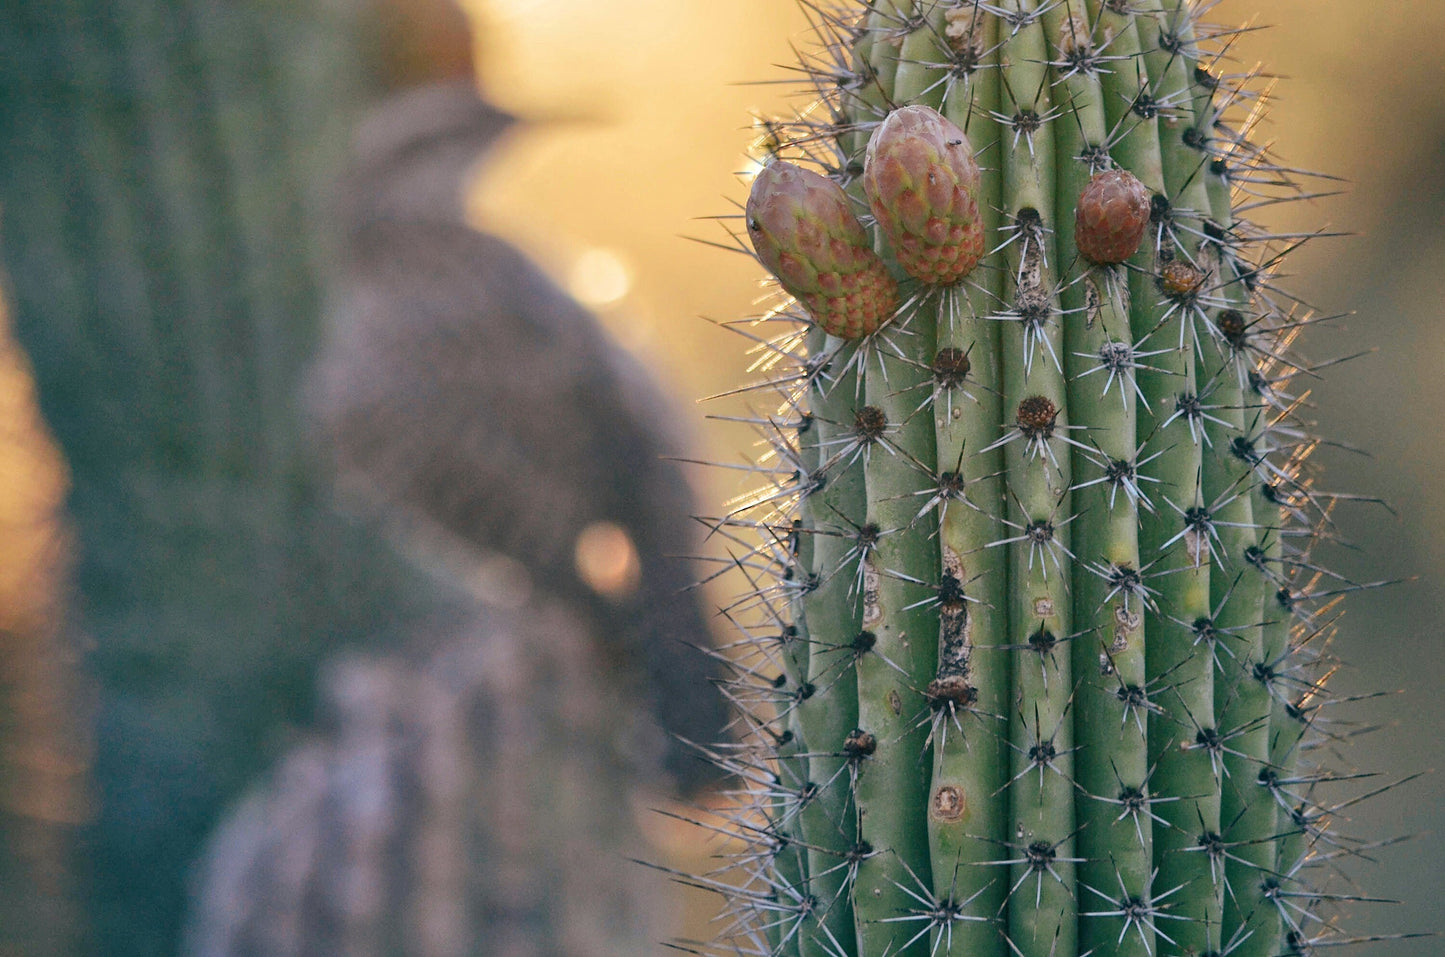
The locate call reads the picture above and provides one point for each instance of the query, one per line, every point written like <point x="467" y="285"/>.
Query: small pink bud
<point x="805" y="233"/>
<point x="922" y="184"/>
<point x="1111" y="218"/>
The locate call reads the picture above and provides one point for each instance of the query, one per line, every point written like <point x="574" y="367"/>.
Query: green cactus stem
<point x="1115" y="840"/>
<point x="1083" y="642"/>
<point x="967" y="819"/>
<point x="1042" y="911"/>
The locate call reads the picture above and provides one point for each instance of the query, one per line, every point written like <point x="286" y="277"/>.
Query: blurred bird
<point x="461" y="387"/>
<point x="474" y="793"/>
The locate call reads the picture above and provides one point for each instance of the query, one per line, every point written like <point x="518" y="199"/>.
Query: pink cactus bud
<point x="805" y="233"/>
<point x="922" y="183"/>
<point x="1111" y="218"/>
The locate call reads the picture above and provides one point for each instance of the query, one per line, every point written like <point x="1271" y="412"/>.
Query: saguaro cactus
<point x="1037" y="638"/>
<point x="204" y="205"/>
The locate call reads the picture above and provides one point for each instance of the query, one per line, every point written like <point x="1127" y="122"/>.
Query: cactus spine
<point x="1047" y="649"/>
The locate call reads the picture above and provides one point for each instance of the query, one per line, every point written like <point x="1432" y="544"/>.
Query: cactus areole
<point x="1033" y="646"/>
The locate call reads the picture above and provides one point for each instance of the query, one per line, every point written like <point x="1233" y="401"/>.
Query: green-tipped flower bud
<point x="922" y="183"/>
<point x="1112" y="216"/>
<point x="805" y="234"/>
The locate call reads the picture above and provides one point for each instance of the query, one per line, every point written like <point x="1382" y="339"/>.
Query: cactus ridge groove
<point x="1034" y="635"/>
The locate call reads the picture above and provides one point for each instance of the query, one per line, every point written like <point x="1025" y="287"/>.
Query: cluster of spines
<point x="1034" y="636"/>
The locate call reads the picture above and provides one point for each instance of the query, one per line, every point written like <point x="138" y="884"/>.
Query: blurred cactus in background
<point x="1039" y="633"/>
<point x="189" y="189"/>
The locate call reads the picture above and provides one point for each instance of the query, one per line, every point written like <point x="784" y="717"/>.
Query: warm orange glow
<point x="599" y="277"/>
<point x="607" y="560"/>
<point x="46" y="753"/>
